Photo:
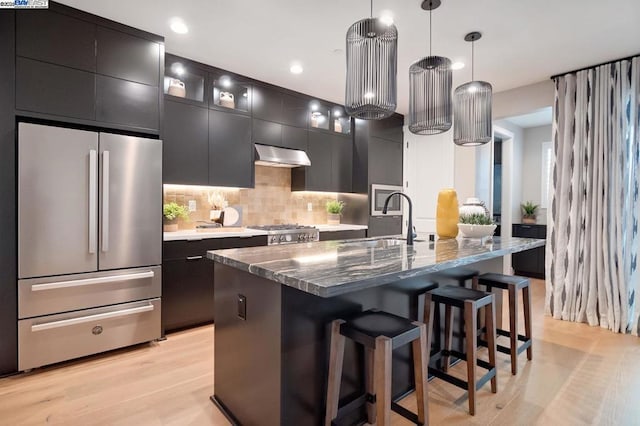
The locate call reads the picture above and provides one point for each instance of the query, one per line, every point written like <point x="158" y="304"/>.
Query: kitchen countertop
<point x="192" y="234"/>
<point x="340" y="227"/>
<point x="331" y="268"/>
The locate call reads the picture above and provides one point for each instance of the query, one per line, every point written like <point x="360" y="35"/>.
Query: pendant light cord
<point x="473" y="43"/>
<point x="371" y="9"/>
<point x="430" y="32"/>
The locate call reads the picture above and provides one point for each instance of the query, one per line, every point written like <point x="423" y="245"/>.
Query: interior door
<point x="57" y="200"/>
<point x="130" y="202"/>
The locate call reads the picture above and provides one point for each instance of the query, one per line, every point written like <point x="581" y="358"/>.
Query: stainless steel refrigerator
<point x="89" y="242"/>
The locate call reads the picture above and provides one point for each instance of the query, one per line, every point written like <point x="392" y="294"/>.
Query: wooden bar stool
<point x="379" y="332"/>
<point x="512" y="283"/>
<point x="470" y="301"/>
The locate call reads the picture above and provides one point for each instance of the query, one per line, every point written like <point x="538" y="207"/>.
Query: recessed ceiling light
<point x="296" y="69"/>
<point x="178" y="26"/>
<point x="457" y="65"/>
<point x="386" y="17"/>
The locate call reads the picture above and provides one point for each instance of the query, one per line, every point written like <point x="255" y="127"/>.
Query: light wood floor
<point x="579" y="375"/>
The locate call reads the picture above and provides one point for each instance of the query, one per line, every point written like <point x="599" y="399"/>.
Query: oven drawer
<point x="54" y="338"/>
<point x="44" y="296"/>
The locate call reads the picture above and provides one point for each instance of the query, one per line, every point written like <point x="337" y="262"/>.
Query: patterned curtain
<point x="593" y="242"/>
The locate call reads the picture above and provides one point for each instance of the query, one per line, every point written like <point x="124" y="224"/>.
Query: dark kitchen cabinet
<point x="187" y="279"/>
<point x="56" y="38"/>
<point x="385" y="161"/>
<point x="53" y="89"/>
<point x="266" y="103"/>
<point x="341" y="163"/>
<point x="343" y="235"/>
<point x="187" y="293"/>
<point x="530" y="263"/>
<point x="295" y="110"/>
<point x="294" y="138"/>
<point x="231" y="160"/>
<point x="276" y="134"/>
<point x="267" y="132"/>
<point x="230" y="92"/>
<point x="127" y="57"/>
<point x="331" y="158"/>
<point x="126" y="102"/>
<point x="389" y="128"/>
<point x="185" y="157"/>
<point x="184" y="80"/>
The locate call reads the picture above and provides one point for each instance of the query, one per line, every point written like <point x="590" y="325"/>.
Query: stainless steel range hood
<point x="280" y="157"/>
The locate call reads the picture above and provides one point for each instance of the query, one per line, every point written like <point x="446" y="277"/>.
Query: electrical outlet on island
<point x="192" y="205"/>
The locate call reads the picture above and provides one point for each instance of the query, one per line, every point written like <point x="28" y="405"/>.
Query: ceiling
<point x="523" y="41"/>
<point x="542" y="117"/>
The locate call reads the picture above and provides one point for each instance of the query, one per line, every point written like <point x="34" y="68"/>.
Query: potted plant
<point x="334" y="210"/>
<point x="218" y="203"/>
<point x="476" y="225"/>
<point x="171" y="212"/>
<point x="529" y="212"/>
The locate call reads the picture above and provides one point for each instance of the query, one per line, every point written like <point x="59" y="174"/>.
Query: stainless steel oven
<point x="379" y="194"/>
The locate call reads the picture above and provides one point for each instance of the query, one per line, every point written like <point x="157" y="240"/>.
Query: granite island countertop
<point x="331" y="268"/>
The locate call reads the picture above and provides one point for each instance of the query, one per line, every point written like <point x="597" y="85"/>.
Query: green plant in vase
<point x="172" y="212"/>
<point x="529" y="212"/>
<point x="334" y="210"/>
<point x="476" y="219"/>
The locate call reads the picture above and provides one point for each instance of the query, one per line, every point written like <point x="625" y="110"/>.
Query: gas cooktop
<point x="289" y="233"/>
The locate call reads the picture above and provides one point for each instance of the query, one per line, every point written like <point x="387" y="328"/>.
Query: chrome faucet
<point x="410" y="224"/>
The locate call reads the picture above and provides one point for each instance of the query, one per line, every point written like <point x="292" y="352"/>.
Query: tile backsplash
<point x="270" y="202"/>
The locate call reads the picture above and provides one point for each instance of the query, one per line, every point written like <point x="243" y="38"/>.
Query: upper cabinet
<point x="331" y="164"/>
<point x="56" y="38"/>
<point x="79" y="68"/>
<point x="127" y="57"/>
<point x="231" y="160"/>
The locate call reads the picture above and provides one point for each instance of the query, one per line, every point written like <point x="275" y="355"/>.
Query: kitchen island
<point x="274" y="305"/>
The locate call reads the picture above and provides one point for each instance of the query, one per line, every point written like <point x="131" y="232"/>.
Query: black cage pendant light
<point x="472" y="108"/>
<point x="372" y="64"/>
<point x="430" y="105"/>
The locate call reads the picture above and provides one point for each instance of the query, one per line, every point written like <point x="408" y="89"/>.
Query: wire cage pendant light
<point x="430" y="80"/>
<point x="472" y="108"/>
<point x="372" y="64"/>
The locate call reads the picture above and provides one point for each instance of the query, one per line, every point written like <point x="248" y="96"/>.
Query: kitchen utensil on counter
<point x="177" y="88"/>
<point x="233" y="216"/>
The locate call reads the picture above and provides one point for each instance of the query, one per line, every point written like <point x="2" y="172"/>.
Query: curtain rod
<point x="553" y="77"/>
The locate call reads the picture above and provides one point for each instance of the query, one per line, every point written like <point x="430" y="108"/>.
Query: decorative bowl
<point x="476" y="231"/>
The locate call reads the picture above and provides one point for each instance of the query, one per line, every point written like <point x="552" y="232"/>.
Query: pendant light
<point x="372" y="57"/>
<point x="430" y="105"/>
<point x="472" y="107"/>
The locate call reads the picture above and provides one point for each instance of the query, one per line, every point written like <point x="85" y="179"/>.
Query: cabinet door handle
<point x="194" y="257"/>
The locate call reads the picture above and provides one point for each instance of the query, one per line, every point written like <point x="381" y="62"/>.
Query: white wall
<point x="522" y="100"/>
<point x="532" y="166"/>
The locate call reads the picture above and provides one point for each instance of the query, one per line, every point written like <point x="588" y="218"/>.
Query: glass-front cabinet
<point x="320" y="115"/>
<point x="340" y="121"/>
<point x="230" y="92"/>
<point x="183" y="79"/>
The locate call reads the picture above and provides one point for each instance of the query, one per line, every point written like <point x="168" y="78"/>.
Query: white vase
<point x="473" y="206"/>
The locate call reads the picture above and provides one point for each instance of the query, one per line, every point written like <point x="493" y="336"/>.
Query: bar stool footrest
<point x="505" y="349"/>
<point x="352" y="406"/>
<point x="409" y="415"/>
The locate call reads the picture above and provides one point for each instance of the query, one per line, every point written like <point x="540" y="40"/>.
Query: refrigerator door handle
<point x="93" y="202"/>
<point x="105" y="201"/>
<point x="91" y="318"/>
